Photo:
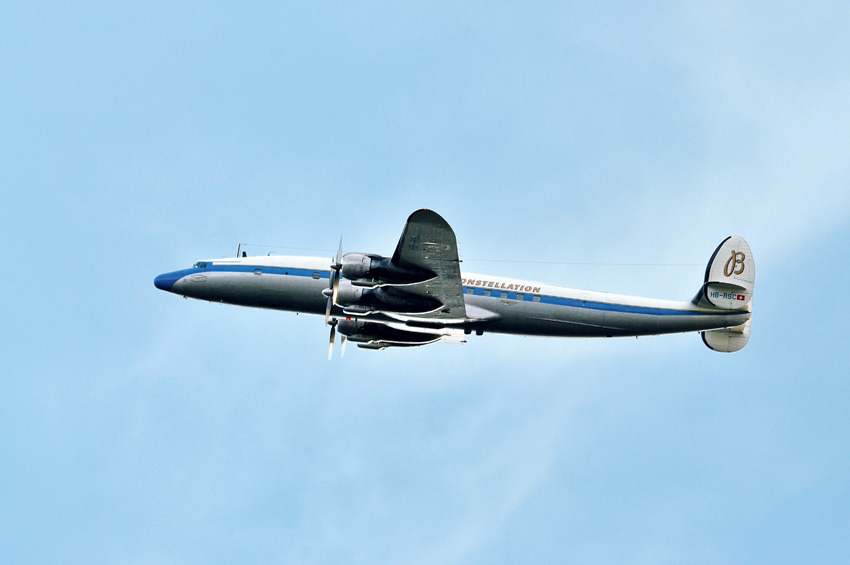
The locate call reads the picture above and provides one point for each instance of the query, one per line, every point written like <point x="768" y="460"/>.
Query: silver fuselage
<point x="511" y="306"/>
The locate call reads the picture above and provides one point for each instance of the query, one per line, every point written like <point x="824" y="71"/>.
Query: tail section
<point x="729" y="281"/>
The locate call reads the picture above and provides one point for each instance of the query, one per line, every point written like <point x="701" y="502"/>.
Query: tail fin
<point x="729" y="282"/>
<point x="729" y="277"/>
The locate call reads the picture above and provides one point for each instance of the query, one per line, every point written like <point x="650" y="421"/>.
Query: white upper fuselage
<point x="503" y="305"/>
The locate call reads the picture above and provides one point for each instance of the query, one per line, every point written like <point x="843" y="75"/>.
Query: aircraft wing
<point x="428" y="243"/>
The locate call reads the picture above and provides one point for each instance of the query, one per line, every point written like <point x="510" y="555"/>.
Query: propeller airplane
<point x="419" y="295"/>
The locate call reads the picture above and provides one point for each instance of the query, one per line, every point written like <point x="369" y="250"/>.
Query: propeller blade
<point x="331" y="345"/>
<point x="342" y="347"/>
<point x="333" y="287"/>
<point x="331" y="293"/>
<point x="338" y="262"/>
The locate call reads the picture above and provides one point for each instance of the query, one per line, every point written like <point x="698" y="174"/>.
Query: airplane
<point x="419" y="295"/>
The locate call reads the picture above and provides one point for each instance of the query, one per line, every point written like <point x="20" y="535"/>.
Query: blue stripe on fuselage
<point x="265" y="269"/>
<point x="167" y="281"/>
<point x="576" y="303"/>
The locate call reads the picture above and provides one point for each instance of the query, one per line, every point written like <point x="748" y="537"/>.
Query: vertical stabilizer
<point x="729" y="277"/>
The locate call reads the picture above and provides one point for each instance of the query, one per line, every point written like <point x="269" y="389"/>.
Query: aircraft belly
<point x="532" y="318"/>
<point x="303" y="294"/>
<point x="706" y="321"/>
<point x="291" y="293"/>
<point x="585" y="319"/>
<point x="243" y="289"/>
<point x="279" y="292"/>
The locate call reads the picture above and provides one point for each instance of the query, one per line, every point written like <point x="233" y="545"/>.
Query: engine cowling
<point x="357" y="266"/>
<point x="364" y="269"/>
<point x="348" y="295"/>
<point x="376" y="335"/>
<point x="357" y="300"/>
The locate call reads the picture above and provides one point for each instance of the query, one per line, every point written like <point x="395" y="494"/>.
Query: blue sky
<point x="139" y="427"/>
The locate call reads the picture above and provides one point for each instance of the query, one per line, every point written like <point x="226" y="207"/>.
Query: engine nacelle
<point x="350" y="295"/>
<point x="358" y="266"/>
<point x="364" y="269"/>
<point x="375" y="335"/>
<point x="360" y="301"/>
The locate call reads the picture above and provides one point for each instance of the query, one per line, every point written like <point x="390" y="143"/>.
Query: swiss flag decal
<point x="741" y="297"/>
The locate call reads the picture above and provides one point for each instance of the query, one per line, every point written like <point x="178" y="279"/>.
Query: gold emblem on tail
<point x="735" y="264"/>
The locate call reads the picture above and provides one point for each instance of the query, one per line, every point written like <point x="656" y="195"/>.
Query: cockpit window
<point x="199" y="265"/>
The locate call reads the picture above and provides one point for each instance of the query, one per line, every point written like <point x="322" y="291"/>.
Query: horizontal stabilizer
<point x="728" y="340"/>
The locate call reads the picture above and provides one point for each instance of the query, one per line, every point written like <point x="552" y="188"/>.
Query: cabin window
<point x="258" y="271"/>
<point x="486" y="293"/>
<point x="503" y="295"/>
<point x="317" y="275"/>
<point x="470" y="291"/>
<point x="520" y="297"/>
<point x="536" y="299"/>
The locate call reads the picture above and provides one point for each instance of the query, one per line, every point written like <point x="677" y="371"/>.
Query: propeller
<point x="331" y="292"/>
<point x="333" y="335"/>
<point x="333" y="288"/>
<point x="343" y="339"/>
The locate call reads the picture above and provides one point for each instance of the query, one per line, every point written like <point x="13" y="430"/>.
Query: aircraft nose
<point x="166" y="281"/>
